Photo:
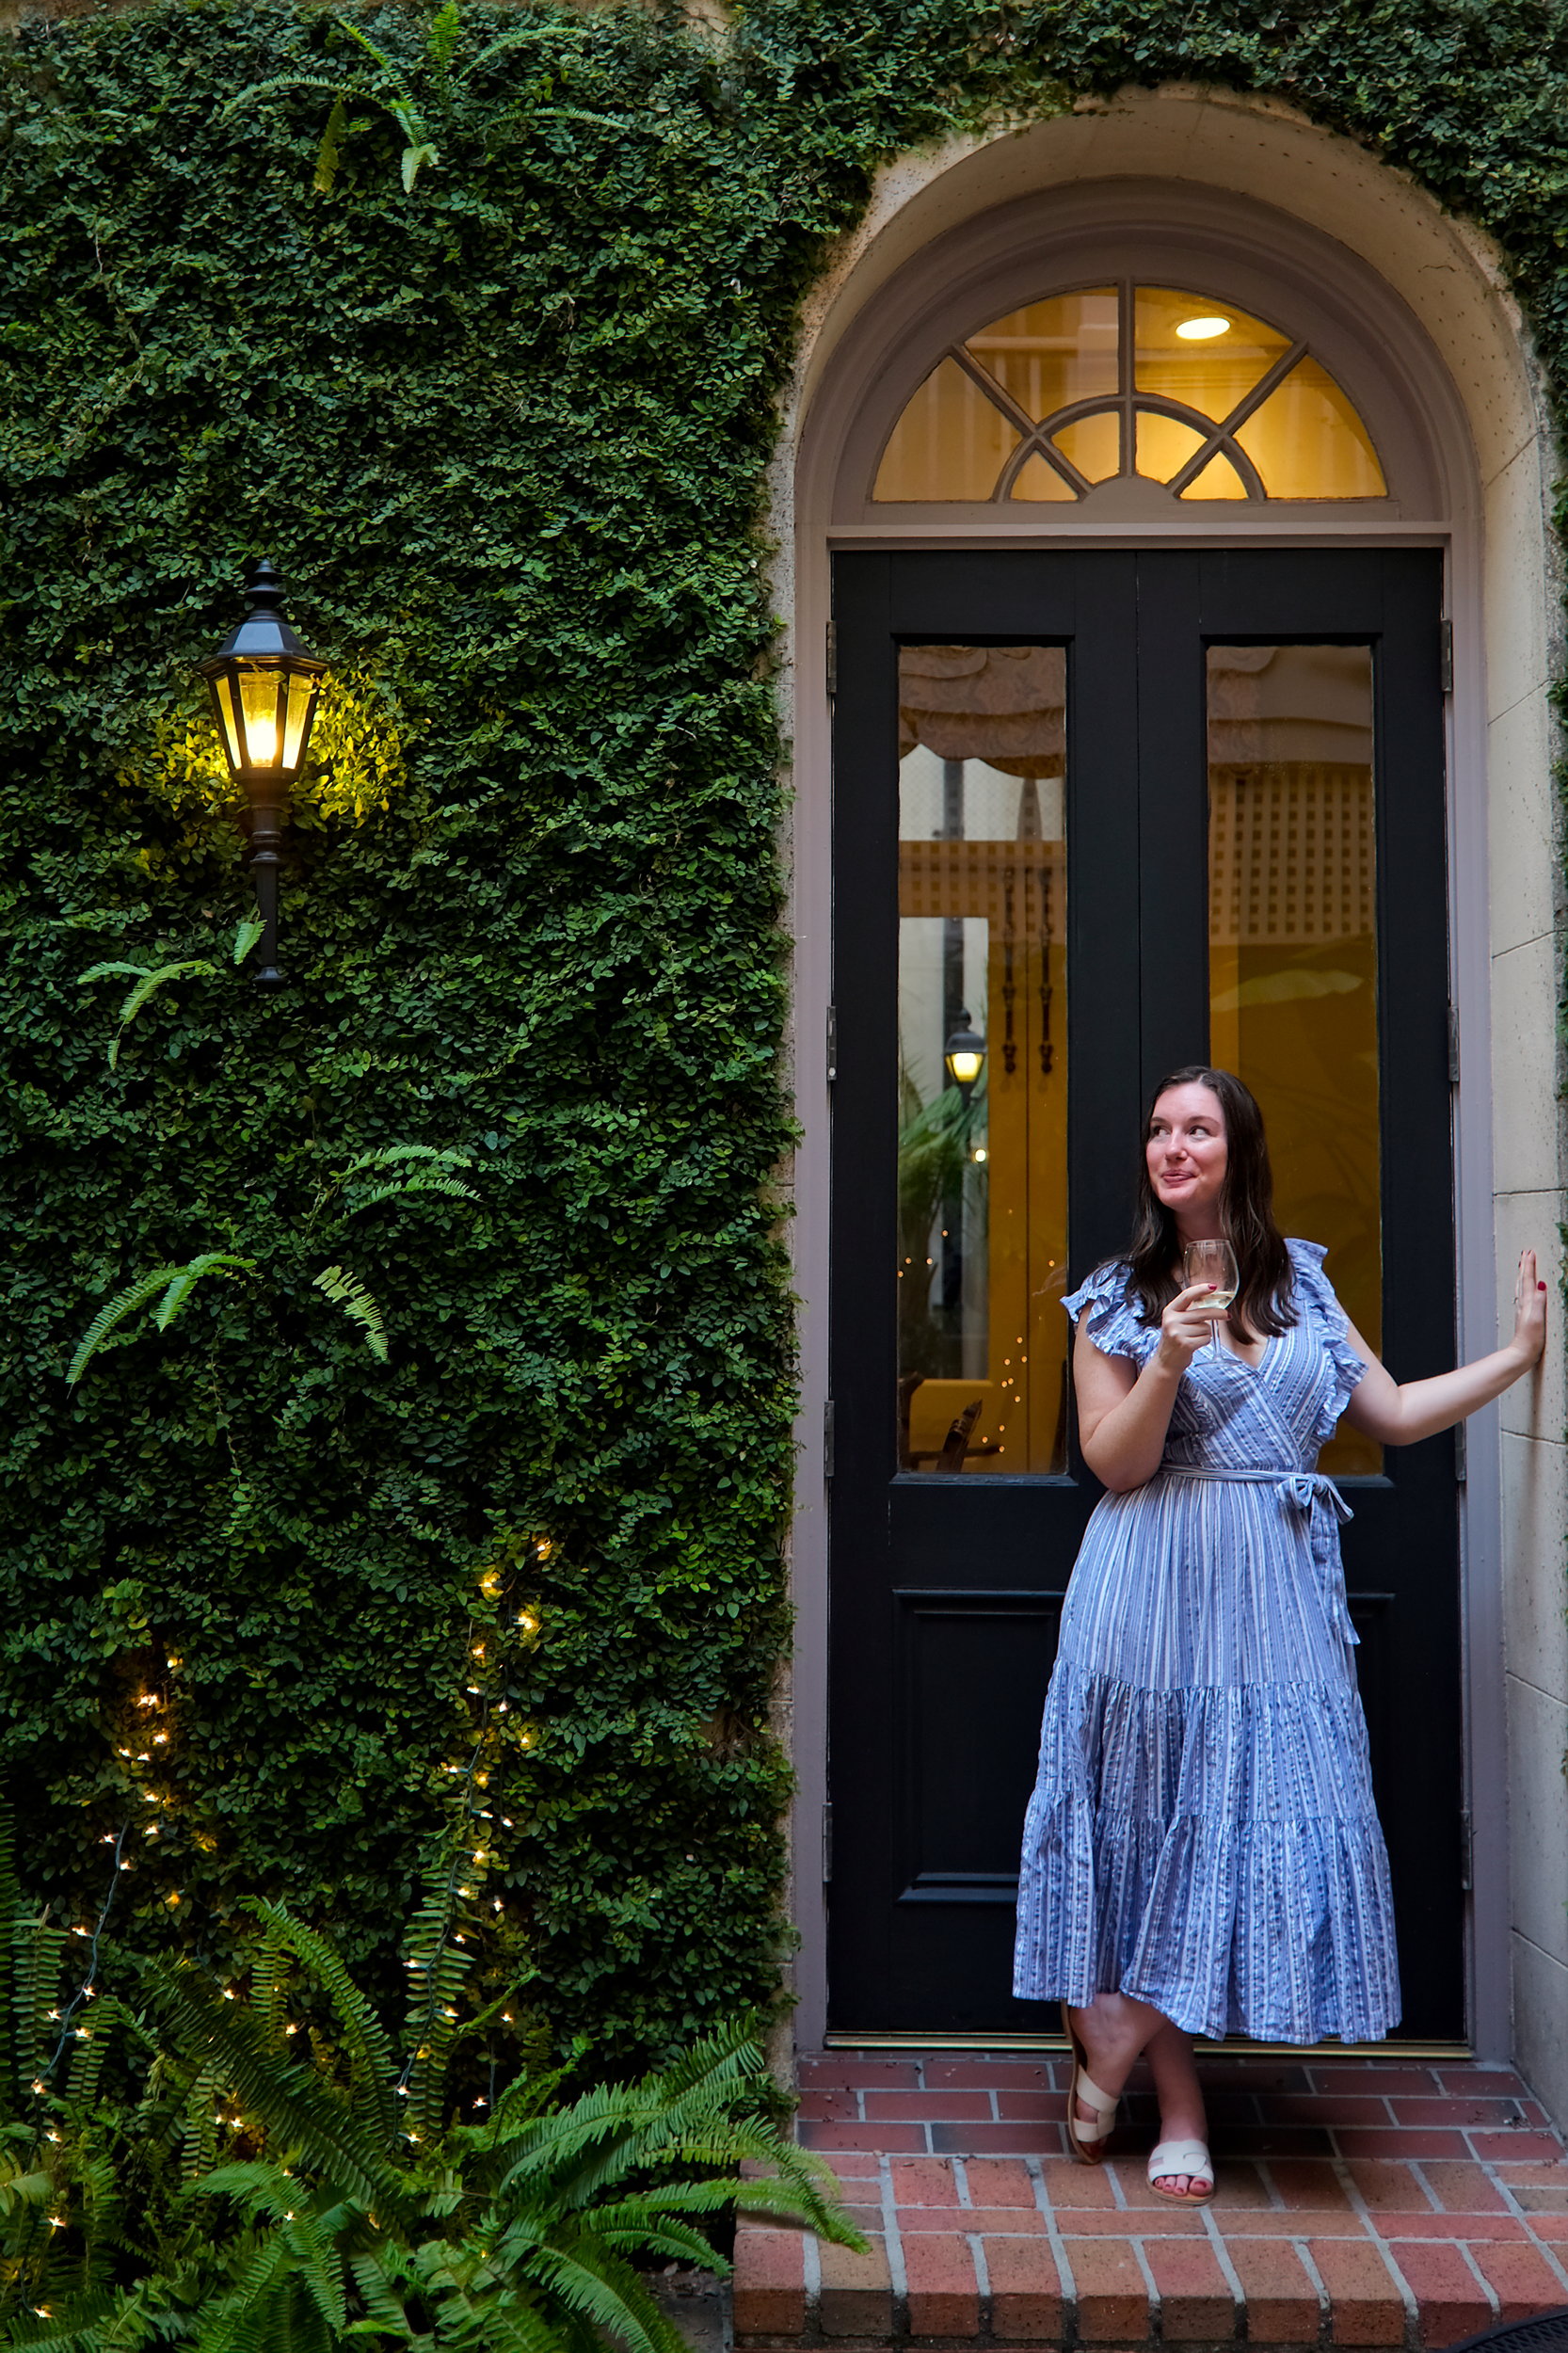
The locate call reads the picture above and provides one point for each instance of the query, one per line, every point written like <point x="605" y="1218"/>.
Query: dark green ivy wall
<point x="505" y="433"/>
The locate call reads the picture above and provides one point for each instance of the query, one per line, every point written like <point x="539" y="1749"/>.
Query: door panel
<point x="1061" y="879"/>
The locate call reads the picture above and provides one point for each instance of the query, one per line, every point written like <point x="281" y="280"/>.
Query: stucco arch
<point x="1450" y="334"/>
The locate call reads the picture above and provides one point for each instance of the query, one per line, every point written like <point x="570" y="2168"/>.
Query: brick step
<point x="1424" y="2238"/>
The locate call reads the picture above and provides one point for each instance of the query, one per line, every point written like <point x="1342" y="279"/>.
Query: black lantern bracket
<point x="264" y="689"/>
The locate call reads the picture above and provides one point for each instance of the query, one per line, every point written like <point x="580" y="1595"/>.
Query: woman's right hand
<point x="1187" y="1325"/>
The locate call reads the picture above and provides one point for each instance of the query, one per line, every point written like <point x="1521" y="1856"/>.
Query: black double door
<point x="1119" y="811"/>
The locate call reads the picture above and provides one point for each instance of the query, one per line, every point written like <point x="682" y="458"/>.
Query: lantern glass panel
<point x="225" y="704"/>
<point x="296" y="722"/>
<point x="261" y="699"/>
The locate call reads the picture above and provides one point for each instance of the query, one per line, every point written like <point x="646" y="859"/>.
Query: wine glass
<point x="1214" y="1262"/>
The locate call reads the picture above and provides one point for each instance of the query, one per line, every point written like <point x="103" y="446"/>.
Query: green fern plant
<point x="148" y="979"/>
<point x="430" y="99"/>
<point x="330" y="2189"/>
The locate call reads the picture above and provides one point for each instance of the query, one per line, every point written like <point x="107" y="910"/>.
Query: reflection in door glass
<point x="1292" y="957"/>
<point x="982" y="1065"/>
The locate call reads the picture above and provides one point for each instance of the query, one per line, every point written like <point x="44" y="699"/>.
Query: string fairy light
<point x="86" y="1990"/>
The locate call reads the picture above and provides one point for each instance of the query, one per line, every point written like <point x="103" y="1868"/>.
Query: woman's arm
<point x="1398" y="1413"/>
<point x="1122" y="1415"/>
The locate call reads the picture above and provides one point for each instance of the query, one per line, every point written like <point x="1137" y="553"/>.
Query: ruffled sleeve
<point x="1109" y="1316"/>
<point x="1315" y="1295"/>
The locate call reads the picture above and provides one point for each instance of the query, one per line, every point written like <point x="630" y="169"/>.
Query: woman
<point x="1201" y="1853"/>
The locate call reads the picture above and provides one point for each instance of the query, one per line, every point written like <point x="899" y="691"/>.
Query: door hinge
<point x="832" y="1044"/>
<point x="1453" y="1046"/>
<point x="826" y="1841"/>
<point x="1446" y="656"/>
<point x="827" y="1439"/>
<point x="1467" y="1852"/>
<point x="832" y="659"/>
<point x="1462" y="1456"/>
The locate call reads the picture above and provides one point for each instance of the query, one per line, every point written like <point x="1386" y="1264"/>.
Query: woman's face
<point x="1186" y="1152"/>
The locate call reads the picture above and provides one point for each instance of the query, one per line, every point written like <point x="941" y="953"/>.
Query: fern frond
<point x="292" y="2102"/>
<point x="346" y="1292"/>
<point x="373" y="2064"/>
<point x="257" y="90"/>
<point x="390" y="1155"/>
<point x="445" y="34"/>
<point x="175" y="1282"/>
<point x="251" y="930"/>
<point x="210" y="1262"/>
<point x="111" y="972"/>
<point x="607" y="2292"/>
<point x="519" y="41"/>
<point x="453" y="1187"/>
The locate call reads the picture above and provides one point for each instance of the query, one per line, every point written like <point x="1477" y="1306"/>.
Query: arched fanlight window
<point x="1179" y="388"/>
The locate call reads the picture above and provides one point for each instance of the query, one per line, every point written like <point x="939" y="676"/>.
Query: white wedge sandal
<point x="1182" y="2156"/>
<point x="1087" y="2141"/>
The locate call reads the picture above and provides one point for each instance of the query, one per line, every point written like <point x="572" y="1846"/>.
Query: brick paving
<point x="1360" y="2203"/>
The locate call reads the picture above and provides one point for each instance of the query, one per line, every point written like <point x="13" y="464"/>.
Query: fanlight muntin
<point x="1126" y="380"/>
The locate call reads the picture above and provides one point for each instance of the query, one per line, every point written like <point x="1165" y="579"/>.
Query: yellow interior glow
<point x="965" y="1065"/>
<point x="258" y="701"/>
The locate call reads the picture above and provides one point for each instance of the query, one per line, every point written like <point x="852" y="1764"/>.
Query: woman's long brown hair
<point x="1263" y="1305"/>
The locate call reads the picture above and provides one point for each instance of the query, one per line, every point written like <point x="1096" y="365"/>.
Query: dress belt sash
<point x="1315" y="1495"/>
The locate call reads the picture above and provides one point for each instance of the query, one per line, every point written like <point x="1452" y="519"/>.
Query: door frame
<point x="1292" y="173"/>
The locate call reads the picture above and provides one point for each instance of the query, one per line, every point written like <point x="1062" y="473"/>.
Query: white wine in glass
<point x="1214" y="1262"/>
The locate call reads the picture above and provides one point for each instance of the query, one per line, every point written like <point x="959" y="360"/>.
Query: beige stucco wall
<point x="1485" y="420"/>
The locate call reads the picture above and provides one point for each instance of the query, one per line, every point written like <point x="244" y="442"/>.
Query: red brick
<point x="1385" y="2083"/>
<point x="860" y="2074"/>
<point x="1387" y="2187"/>
<point x="1449" y="2109"/>
<point x="924" y="2181"/>
<point x="1298" y="2222"/>
<point x="1195" y="2298"/>
<point x="1365" y="2302"/>
<point x="1462" y="2187"/>
<point x="1113" y="2301"/>
<point x="1026" y="2289"/>
<point x="1357" y="2141"/>
<point x="944" y="2300"/>
<point x="987" y="2075"/>
<point x="770" y="2282"/>
<point x="1544" y="2176"/>
<point x="884" y="2138"/>
<point x="1069" y="2184"/>
<point x="1170" y="2222"/>
<point x="1276" y="2141"/>
<point x="1552" y="2227"/>
<point x="856" y="2293"/>
<point x="997" y="2141"/>
<point x="827" y="2105"/>
<point x="1332" y="2108"/>
<point x="1308" y="2184"/>
<point x="1034" y="2106"/>
<point x="905" y="2104"/>
<point x="1448" y="2226"/>
<point x="853" y="2164"/>
<point x="1540" y="2198"/>
<point x="1500" y="2082"/>
<point x="995" y="2181"/>
<point x="1497" y="2147"/>
<point x="1239" y="2184"/>
<point x="921" y="2218"/>
<point x="1282" y="2301"/>
<point x="1449" y="2300"/>
<point x="1524" y="2281"/>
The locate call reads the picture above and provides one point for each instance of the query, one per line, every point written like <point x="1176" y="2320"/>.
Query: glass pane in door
<point x="1292" y="955"/>
<point x="982" y="1060"/>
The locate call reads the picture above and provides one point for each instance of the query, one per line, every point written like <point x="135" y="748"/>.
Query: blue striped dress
<point x="1201" y="1833"/>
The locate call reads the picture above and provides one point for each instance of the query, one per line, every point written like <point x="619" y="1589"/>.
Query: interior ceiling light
<point x="1202" y="330"/>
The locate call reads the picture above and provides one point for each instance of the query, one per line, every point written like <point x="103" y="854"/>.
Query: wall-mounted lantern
<point x="263" y="686"/>
<point x="964" y="1055"/>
